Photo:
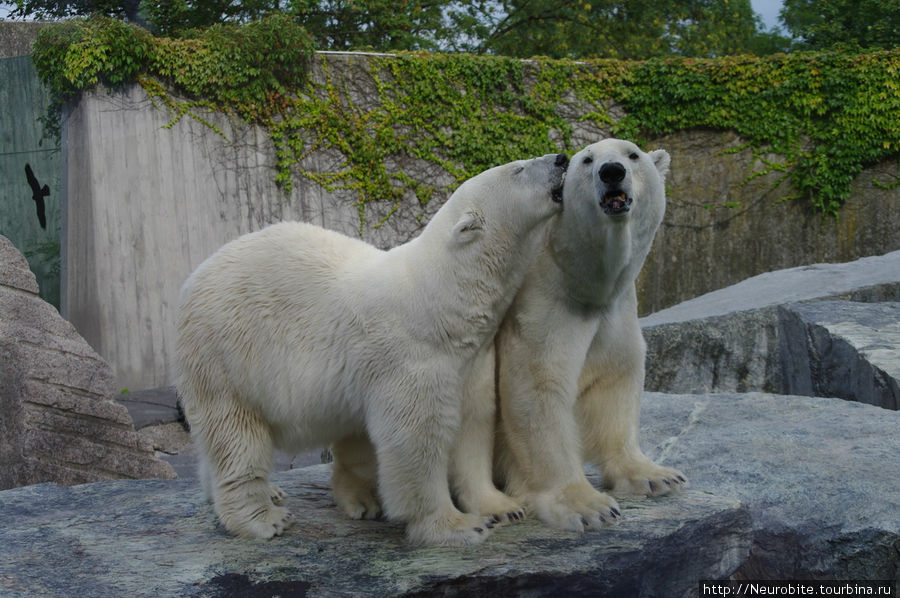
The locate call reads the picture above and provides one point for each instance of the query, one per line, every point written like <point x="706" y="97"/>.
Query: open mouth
<point x="556" y="194"/>
<point x="615" y="202"/>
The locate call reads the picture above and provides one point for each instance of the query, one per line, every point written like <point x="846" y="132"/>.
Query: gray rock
<point x="730" y="340"/>
<point x="842" y="349"/>
<point x="57" y="422"/>
<point x="868" y="279"/>
<point x="152" y="407"/>
<point x="819" y="476"/>
<point x="157" y="538"/>
<point x="158" y="416"/>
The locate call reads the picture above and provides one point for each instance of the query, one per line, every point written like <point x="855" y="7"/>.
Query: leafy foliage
<point x="828" y="115"/>
<point x="825" y="115"/>
<point x="77" y="54"/>
<point x="627" y="29"/>
<point x="847" y="24"/>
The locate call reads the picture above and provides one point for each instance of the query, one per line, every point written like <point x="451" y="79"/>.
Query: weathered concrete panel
<point x="16" y="37"/>
<point x="703" y="245"/>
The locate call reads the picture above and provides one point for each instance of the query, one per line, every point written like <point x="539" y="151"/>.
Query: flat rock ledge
<point x="813" y="482"/>
<point x="159" y="538"/>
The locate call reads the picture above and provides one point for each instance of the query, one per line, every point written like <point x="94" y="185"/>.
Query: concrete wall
<point x="703" y="245"/>
<point x="16" y="37"/>
<point x="146" y="204"/>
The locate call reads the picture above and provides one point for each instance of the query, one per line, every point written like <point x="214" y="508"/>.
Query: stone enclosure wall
<point x="147" y="199"/>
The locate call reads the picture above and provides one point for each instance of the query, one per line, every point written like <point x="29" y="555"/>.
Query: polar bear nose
<point x="562" y="160"/>
<point x="612" y="172"/>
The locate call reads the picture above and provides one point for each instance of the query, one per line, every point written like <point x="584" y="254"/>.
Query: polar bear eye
<point x="588" y="160"/>
<point x="633" y="156"/>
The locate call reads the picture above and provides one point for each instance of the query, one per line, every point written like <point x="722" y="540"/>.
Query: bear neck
<point x="466" y="301"/>
<point x="595" y="265"/>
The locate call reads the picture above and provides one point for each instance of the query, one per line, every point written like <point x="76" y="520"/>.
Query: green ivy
<point x="826" y="116"/>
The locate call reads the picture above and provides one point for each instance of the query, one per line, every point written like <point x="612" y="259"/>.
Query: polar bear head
<point x="613" y="202"/>
<point x="475" y="251"/>
<point x="613" y="178"/>
<point x="514" y="197"/>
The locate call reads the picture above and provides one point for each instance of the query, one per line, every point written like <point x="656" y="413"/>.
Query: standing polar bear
<point x="570" y="354"/>
<point x="567" y="363"/>
<point x="296" y="337"/>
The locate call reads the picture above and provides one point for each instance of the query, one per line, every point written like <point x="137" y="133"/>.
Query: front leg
<point x="541" y="456"/>
<point x="609" y="407"/>
<point x="413" y="427"/>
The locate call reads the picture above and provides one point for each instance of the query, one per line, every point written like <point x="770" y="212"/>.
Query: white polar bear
<point x="568" y="362"/>
<point x="295" y="337"/>
<point x="570" y="354"/>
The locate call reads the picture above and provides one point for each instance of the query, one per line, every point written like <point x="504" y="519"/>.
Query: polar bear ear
<point x="469" y="227"/>
<point x="661" y="160"/>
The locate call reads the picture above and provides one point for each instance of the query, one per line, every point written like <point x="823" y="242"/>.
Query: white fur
<point x="296" y="337"/>
<point x="570" y="354"/>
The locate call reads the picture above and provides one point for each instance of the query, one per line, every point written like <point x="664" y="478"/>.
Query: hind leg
<point x="237" y="453"/>
<point x="354" y="478"/>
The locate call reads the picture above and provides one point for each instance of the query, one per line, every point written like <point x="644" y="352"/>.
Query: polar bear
<point x="567" y="362"/>
<point x="296" y="337"/>
<point x="570" y="353"/>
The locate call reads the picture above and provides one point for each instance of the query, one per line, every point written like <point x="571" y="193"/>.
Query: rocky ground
<point x="782" y="486"/>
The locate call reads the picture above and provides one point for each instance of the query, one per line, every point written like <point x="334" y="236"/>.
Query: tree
<point x="631" y="29"/>
<point x="168" y="17"/>
<point x="850" y="24"/>
<point x="383" y="25"/>
<point x="60" y="9"/>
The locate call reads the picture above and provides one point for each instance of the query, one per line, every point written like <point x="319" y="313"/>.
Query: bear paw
<point x="495" y="505"/>
<point x="577" y="507"/>
<point x="264" y="523"/>
<point x="276" y="494"/>
<point x="453" y="528"/>
<point x="641" y="477"/>
<point x="358" y="503"/>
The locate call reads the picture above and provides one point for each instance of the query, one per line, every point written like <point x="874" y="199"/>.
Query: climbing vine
<point x="825" y="115"/>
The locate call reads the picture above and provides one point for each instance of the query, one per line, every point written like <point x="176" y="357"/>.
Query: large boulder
<point x="731" y="340"/>
<point x="57" y="419"/>
<point x="818" y="475"/>
<point x="842" y="349"/>
<point x="159" y="538"/>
